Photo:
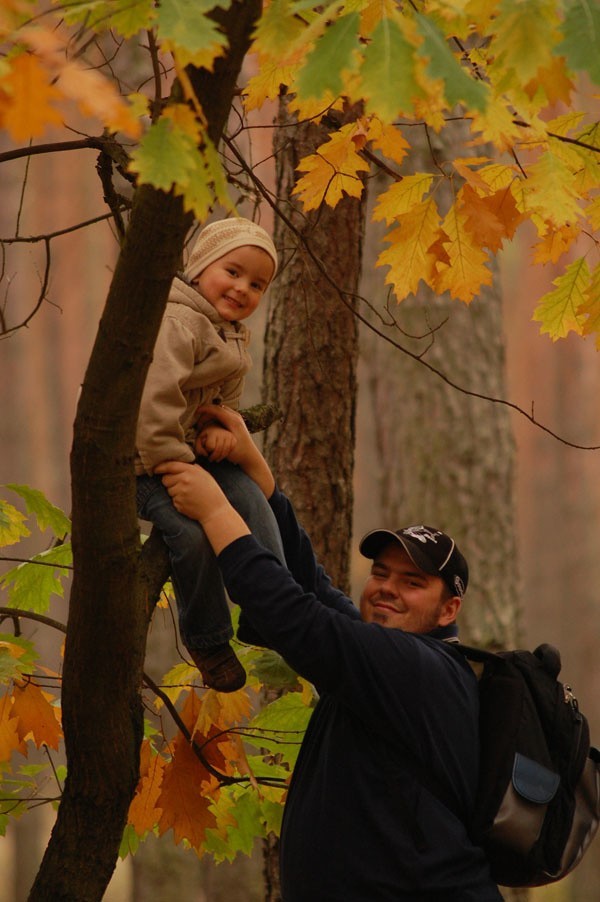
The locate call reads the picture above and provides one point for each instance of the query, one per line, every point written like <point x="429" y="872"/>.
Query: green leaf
<point x="12" y="524"/>
<point x="31" y="585"/>
<point x="123" y="16"/>
<point x="332" y="55"/>
<point x="271" y="669"/>
<point x="459" y="86"/>
<point x="46" y="514"/>
<point x="165" y="157"/>
<point x="186" y="24"/>
<point x="558" y="309"/>
<point x="281" y="726"/>
<point x="387" y="73"/>
<point x="581" y="44"/>
<point x="17" y="656"/>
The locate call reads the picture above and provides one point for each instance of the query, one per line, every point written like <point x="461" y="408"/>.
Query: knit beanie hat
<point x="218" y="238"/>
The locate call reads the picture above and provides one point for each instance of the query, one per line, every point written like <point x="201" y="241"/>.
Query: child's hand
<point x="215" y="442"/>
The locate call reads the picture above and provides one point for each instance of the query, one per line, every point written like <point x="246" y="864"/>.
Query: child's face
<point x="235" y="283"/>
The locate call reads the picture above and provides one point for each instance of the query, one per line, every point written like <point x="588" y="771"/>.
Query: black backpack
<point x="538" y="801"/>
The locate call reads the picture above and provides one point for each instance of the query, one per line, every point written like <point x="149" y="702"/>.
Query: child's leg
<point x="243" y="493"/>
<point x="248" y="500"/>
<point x="204" y="619"/>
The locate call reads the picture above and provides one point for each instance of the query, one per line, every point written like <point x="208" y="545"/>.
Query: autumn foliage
<point x="513" y="83"/>
<point x="520" y="77"/>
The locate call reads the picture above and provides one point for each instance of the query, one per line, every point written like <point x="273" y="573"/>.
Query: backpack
<point x="537" y="806"/>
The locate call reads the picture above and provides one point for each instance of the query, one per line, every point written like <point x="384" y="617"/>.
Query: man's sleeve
<point x="301" y="560"/>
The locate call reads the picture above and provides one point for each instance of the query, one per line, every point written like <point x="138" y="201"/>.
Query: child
<point x="201" y="357"/>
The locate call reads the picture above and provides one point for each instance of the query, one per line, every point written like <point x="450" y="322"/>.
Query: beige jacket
<point x="198" y="359"/>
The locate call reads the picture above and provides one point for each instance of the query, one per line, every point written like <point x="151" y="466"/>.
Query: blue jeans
<point x="204" y="619"/>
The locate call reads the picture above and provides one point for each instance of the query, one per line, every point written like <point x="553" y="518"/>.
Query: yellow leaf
<point x="12" y="524"/>
<point x="388" y="139"/>
<point x="559" y="311"/>
<point x="38" y="719"/>
<point x="266" y="84"/>
<point x="408" y="257"/>
<point x="496" y="124"/>
<point x="593" y="213"/>
<point x="332" y="171"/>
<point x="465" y="272"/>
<point x="590" y="308"/>
<point x="26" y="99"/>
<point x="402" y="196"/>
<point x="549" y="189"/>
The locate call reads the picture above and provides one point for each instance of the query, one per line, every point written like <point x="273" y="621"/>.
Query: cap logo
<point x="422" y="534"/>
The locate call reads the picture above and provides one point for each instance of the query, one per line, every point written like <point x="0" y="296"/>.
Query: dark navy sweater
<point x="361" y="823"/>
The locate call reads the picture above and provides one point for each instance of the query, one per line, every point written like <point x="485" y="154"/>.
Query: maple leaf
<point x="266" y="84"/>
<point x="466" y="271"/>
<point x="185" y="27"/>
<point x="581" y="44"/>
<point x="559" y="311"/>
<point x="387" y="74"/>
<point x="144" y="811"/>
<point x="122" y="16"/>
<point x="554" y="80"/>
<point x="491" y="218"/>
<point x="9" y="734"/>
<point x="388" y="139"/>
<point x="165" y="156"/>
<point x="221" y="710"/>
<point x="325" y="67"/>
<point x="12" y="524"/>
<point x="26" y="99"/>
<point x="17" y="656"/>
<point x="555" y="243"/>
<point x="47" y="515"/>
<point x="408" y="257"/>
<point x="400" y="197"/>
<point x="38" y="719"/>
<point x="184" y="808"/>
<point x="459" y="86"/>
<point x="32" y="584"/>
<point x="332" y="171"/>
<point x="524" y="35"/>
<point x="590" y="308"/>
<point x="549" y="188"/>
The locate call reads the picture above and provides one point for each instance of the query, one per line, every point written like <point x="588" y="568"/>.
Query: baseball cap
<point x="429" y="548"/>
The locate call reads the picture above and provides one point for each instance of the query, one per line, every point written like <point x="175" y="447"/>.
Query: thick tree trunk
<point x="311" y="354"/>
<point x="310" y="368"/>
<point x="108" y="614"/>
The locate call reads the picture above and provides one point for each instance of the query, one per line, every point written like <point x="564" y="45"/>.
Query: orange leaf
<point x="555" y="243"/>
<point x="144" y="811"/>
<point x="38" y="719"/>
<point x="184" y="809"/>
<point x="25" y="99"/>
<point x="490" y="219"/>
<point x="9" y="734"/>
<point x="409" y="256"/>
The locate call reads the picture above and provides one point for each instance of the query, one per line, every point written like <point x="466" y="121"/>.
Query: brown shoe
<point x="219" y="668"/>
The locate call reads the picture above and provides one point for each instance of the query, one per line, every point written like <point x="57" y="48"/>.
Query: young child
<point x="201" y="357"/>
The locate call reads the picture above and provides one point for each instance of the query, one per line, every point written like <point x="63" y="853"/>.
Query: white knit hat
<point x="218" y="238"/>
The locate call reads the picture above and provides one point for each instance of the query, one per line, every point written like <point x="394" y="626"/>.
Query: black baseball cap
<point x="429" y="548"/>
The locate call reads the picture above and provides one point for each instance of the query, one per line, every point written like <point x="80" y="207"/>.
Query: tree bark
<point x="108" y="615"/>
<point x="311" y="350"/>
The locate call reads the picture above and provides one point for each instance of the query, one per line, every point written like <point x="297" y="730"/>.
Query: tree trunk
<point x="310" y="368"/>
<point x="108" y="616"/>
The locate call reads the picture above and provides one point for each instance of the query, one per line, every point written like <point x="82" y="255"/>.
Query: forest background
<point x="557" y="486"/>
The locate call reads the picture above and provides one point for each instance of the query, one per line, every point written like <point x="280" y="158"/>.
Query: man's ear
<point x="450" y="610"/>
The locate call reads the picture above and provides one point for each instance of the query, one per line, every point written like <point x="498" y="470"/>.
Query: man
<point x="395" y="728"/>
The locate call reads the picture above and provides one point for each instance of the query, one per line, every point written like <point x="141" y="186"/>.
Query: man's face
<point x="398" y="594"/>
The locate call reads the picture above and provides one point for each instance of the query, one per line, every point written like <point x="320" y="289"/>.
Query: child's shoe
<point x="219" y="668"/>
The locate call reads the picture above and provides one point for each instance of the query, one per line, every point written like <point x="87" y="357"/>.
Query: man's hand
<point x="215" y="443"/>
<point x="196" y="494"/>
